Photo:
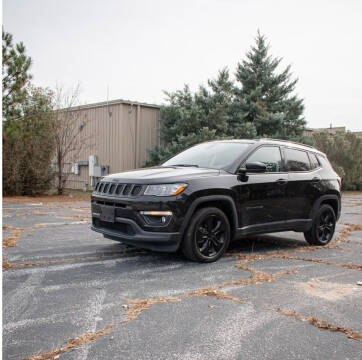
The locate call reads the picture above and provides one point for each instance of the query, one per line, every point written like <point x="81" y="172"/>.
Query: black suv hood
<point x="162" y="174"/>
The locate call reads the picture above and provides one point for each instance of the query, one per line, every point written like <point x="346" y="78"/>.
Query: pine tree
<point x="189" y="118"/>
<point x="260" y="103"/>
<point x="264" y="97"/>
<point x="15" y="69"/>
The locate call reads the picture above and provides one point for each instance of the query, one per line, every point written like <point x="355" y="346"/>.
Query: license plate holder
<point x="107" y="214"/>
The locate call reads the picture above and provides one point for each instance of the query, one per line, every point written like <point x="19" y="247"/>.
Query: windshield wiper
<point x="186" y="165"/>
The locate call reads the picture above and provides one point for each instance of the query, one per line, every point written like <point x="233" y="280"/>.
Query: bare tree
<point x="69" y="132"/>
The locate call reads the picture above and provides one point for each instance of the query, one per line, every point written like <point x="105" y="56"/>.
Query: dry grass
<point x="322" y="261"/>
<point x="344" y="233"/>
<point x="9" y="265"/>
<point x="44" y="199"/>
<point x="73" y="343"/>
<point x="11" y="239"/>
<point x="75" y="207"/>
<point x="74" y="216"/>
<point x="211" y="291"/>
<point x="322" y="324"/>
<point x="136" y="306"/>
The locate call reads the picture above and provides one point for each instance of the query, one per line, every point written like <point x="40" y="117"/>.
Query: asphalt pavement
<point x="68" y="293"/>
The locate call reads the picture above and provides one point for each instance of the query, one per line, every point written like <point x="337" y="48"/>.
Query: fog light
<point x="156" y="218"/>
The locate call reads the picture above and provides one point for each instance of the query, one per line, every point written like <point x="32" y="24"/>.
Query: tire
<point x="207" y="236"/>
<point x="324" y="224"/>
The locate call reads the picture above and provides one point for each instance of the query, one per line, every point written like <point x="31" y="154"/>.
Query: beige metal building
<point x="117" y="135"/>
<point x="331" y="130"/>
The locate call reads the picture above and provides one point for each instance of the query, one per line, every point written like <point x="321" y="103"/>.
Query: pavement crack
<point x="11" y="239"/>
<point x="136" y="306"/>
<point x="353" y="334"/>
<point x="322" y="261"/>
<point x="74" y="343"/>
<point x="17" y="231"/>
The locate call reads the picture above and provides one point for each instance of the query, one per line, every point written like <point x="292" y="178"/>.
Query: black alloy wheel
<point x="323" y="226"/>
<point x="208" y="235"/>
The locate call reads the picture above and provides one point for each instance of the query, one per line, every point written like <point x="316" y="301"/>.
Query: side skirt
<point x="299" y="225"/>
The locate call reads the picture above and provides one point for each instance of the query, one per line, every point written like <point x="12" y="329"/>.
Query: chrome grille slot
<point x="136" y="189"/>
<point x="127" y="189"/>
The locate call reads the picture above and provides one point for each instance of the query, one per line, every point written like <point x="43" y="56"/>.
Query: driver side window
<point x="270" y="156"/>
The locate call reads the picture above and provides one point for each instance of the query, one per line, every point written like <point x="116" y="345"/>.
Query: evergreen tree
<point x="261" y="103"/>
<point x="263" y="97"/>
<point x="15" y="67"/>
<point x="193" y="118"/>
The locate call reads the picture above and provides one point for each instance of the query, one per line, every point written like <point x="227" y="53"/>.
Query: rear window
<point x="324" y="162"/>
<point x="297" y="160"/>
<point x="314" y="163"/>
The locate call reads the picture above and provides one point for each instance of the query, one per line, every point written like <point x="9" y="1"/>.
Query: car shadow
<point x="255" y="244"/>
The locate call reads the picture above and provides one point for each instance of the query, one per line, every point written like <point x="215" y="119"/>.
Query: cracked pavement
<point x="68" y="293"/>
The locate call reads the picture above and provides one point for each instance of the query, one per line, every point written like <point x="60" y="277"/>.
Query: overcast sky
<point x="139" y="48"/>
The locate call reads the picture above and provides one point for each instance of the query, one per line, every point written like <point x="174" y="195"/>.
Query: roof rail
<point x="288" y="141"/>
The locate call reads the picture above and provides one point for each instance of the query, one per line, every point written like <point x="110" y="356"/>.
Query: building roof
<point x="114" y="102"/>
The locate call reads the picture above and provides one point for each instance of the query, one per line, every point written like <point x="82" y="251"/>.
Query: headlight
<point x="165" y="189"/>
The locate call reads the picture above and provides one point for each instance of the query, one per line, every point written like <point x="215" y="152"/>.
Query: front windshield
<point x="214" y="155"/>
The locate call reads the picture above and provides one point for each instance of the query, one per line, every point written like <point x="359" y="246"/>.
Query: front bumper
<point x="129" y="232"/>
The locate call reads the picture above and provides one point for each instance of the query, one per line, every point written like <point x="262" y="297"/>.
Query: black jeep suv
<point x="217" y="191"/>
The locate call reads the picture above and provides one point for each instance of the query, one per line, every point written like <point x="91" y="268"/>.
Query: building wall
<point x="331" y="130"/>
<point x="119" y="133"/>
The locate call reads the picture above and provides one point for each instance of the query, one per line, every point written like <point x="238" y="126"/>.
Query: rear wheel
<point x="323" y="227"/>
<point x="208" y="235"/>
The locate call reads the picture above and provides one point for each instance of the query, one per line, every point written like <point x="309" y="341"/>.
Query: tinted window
<point x="297" y="160"/>
<point x="216" y="155"/>
<point x="324" y="162"/>
<point x="270" y="156"/>
<point x="313" y="161"/>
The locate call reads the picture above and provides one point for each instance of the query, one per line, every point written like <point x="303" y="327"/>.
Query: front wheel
<point x="208" y="235"/>
<point x="324" y="224"/>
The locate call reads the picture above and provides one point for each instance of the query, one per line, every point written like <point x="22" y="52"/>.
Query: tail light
<point x="339" y="182"/>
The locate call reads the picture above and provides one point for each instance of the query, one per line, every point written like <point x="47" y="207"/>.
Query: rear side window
<point x="313" y="161"/>
<point x="324" y="162"/>
<point x="297" y="160"/>
<point x="270" y="156"/>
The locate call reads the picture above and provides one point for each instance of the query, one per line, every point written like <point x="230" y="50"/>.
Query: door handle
<point x="316" y="179"/>
<point x="281" y="181"/>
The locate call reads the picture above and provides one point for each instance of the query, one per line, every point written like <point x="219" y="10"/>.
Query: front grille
<point x="117" y="189"/>
<point x="105" y="189"/>
<point x="127" y="189"/>
<point x="109" y="203"/>
<point x="136" y="189"/>
<point x="120" y="227"/>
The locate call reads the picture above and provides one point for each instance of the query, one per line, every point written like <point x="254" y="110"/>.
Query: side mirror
<point x="255" y="167"/>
